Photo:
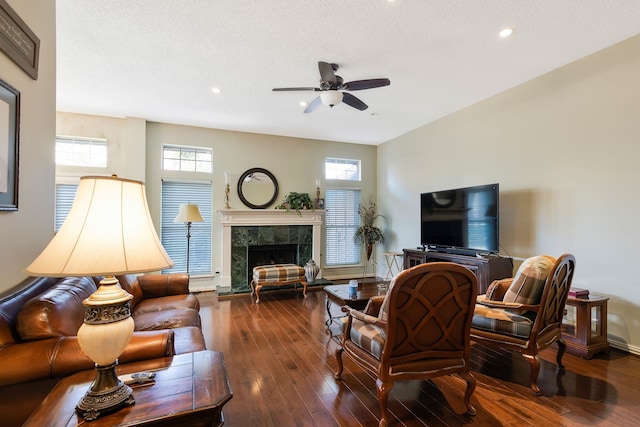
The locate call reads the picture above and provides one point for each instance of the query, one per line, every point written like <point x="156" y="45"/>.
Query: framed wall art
<point x="17" y="41"/>
<point x="9" y="145"/>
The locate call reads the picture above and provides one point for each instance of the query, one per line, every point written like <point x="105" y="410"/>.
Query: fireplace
<point x="243" y="228"/>
<point x="270" y="254"/>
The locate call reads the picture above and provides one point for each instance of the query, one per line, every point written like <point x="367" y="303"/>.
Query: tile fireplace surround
<point x="268" y="222"/>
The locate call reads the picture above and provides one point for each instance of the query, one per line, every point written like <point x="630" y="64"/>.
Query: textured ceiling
<point x="159" y="59"/>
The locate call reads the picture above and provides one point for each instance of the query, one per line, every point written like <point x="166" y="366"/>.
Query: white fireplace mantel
<point x="244" y="217"/>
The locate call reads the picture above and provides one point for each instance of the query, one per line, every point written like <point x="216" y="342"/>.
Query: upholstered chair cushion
<point x="529" y="280"/>
<point x="502" y="321"/>
<point x="368" y="337"/>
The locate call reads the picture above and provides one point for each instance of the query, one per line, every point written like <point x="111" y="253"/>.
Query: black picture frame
<point x="9" y="146"/>
<point x="18" y="42"/>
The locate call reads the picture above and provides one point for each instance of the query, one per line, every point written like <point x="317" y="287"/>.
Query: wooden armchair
<point x="420" y="332"/>
<point x="525" y="313"/>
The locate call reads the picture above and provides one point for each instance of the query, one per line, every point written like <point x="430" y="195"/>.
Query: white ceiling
<point x="159" y="59"/>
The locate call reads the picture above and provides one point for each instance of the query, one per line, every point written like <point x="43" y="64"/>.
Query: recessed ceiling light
<point x="215" y="90"/>
<point x="506" y="32"/>
<point x="303" y="104"/>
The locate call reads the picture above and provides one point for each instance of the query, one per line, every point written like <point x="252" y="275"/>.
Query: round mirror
<point x="444" y="199"/>
<point x="257" y="188"/>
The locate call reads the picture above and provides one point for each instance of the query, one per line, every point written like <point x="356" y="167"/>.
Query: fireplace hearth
<point x="242" y="229"/>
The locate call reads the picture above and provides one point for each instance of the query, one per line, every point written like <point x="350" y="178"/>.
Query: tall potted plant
<point x="368" y="233"/>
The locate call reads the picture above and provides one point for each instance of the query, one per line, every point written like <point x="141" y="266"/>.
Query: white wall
<point x="565" y="149"/>
<point x="23" y="234"/>
<point x="295" y="162"/>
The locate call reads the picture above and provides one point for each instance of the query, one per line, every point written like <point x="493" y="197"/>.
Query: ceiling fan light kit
<point x="331" y="97"/>
<point x="333" y="88"/>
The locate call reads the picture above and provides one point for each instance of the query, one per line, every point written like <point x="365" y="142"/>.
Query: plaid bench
<point x="277" y="275"/>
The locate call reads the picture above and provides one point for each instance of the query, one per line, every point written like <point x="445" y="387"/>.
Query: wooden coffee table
<point x="189" y="390"/>
<point x="340" y="296"/>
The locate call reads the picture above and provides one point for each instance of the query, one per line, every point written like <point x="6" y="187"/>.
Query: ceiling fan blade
<point x="351" y="100"/>
<point x="326" y="72"/>
<point x="314" y="104"/>
<point x="366" y="84"/>
<point x="290" y="89"/>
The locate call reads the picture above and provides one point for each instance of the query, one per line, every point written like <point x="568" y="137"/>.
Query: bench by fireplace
<point x="270" y="254"/>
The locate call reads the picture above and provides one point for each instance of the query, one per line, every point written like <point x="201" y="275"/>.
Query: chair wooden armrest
<point x="366" y="318"/>
<point x="508" y="305"/>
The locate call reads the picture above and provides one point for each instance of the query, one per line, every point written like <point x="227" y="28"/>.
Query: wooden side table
<point x="189" y="390"/>
<point x="584" y="326"/>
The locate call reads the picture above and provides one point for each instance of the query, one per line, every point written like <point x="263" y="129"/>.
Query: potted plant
<point x="296" y="201"/>
<point x="368" y="233"/>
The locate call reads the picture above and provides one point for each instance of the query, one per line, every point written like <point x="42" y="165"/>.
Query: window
<point x="65" y="193"/>
<point x="84" y="152"/>
<point x="174" y="235"/>
<point x="342" y="220"/>
<point x="187" y="159"/>
<point x="344" y="169"/>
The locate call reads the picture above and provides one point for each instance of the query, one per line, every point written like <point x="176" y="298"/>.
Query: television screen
<point x="465" y="218"/>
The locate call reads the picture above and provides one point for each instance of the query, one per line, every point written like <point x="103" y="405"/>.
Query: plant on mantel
<point x="368" y="233"/>
<point x="296" y="201"/>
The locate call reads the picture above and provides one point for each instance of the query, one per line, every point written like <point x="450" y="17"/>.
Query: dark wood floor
<point x="280" y="364"/>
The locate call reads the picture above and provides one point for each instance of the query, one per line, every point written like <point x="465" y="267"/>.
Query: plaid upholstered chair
<point x="420" y="332"/>
<point x="525" y="313"/>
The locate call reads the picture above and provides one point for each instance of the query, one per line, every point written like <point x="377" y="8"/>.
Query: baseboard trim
<point x="621" y="345"/>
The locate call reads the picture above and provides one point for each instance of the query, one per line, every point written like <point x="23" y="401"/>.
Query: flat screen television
<point x="460" y="220"/>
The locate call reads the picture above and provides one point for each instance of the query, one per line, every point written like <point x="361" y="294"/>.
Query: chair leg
<point x="534" y="362"/>
<point x="471" y="386"/>
<point x="561" y="349"/>
<point x="338" y="374"/>
<point x="383" y="394"/>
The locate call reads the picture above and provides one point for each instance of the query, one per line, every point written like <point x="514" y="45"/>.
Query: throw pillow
<point x="529" y="280"/>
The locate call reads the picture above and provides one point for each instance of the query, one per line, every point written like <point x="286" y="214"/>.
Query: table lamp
<point x="108" y="232"/>
<point x="188" y="213"/>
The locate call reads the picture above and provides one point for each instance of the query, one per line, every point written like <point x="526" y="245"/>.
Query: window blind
<point x="174" y="235"/>
<point x="65" y="193"/>
<point x="341" y="222"/>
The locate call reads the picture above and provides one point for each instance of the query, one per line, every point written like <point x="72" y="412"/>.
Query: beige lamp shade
<point x="108" y="231"/>
<point x="189" y="213"/>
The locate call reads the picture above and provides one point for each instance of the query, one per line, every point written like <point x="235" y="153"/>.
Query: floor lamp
<point x="188" y="213"/>
<point x="108" y="232"/>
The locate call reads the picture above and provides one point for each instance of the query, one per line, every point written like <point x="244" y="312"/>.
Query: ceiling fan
<point x="334" y="89"/>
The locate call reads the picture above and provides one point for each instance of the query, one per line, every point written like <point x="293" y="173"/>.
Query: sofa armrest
<point x="58" y="356"/>
<point x="162" y="285"/>
<point x="143" y="345"/>
<point x="27" y="361"/>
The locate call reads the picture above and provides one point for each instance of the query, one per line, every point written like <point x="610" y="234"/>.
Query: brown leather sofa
<point x="40" y="317"/>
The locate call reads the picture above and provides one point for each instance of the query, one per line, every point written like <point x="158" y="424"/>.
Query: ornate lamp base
<point x="107" y="394"/>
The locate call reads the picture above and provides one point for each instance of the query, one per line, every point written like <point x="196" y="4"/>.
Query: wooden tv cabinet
<point x="486" y="268"/>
